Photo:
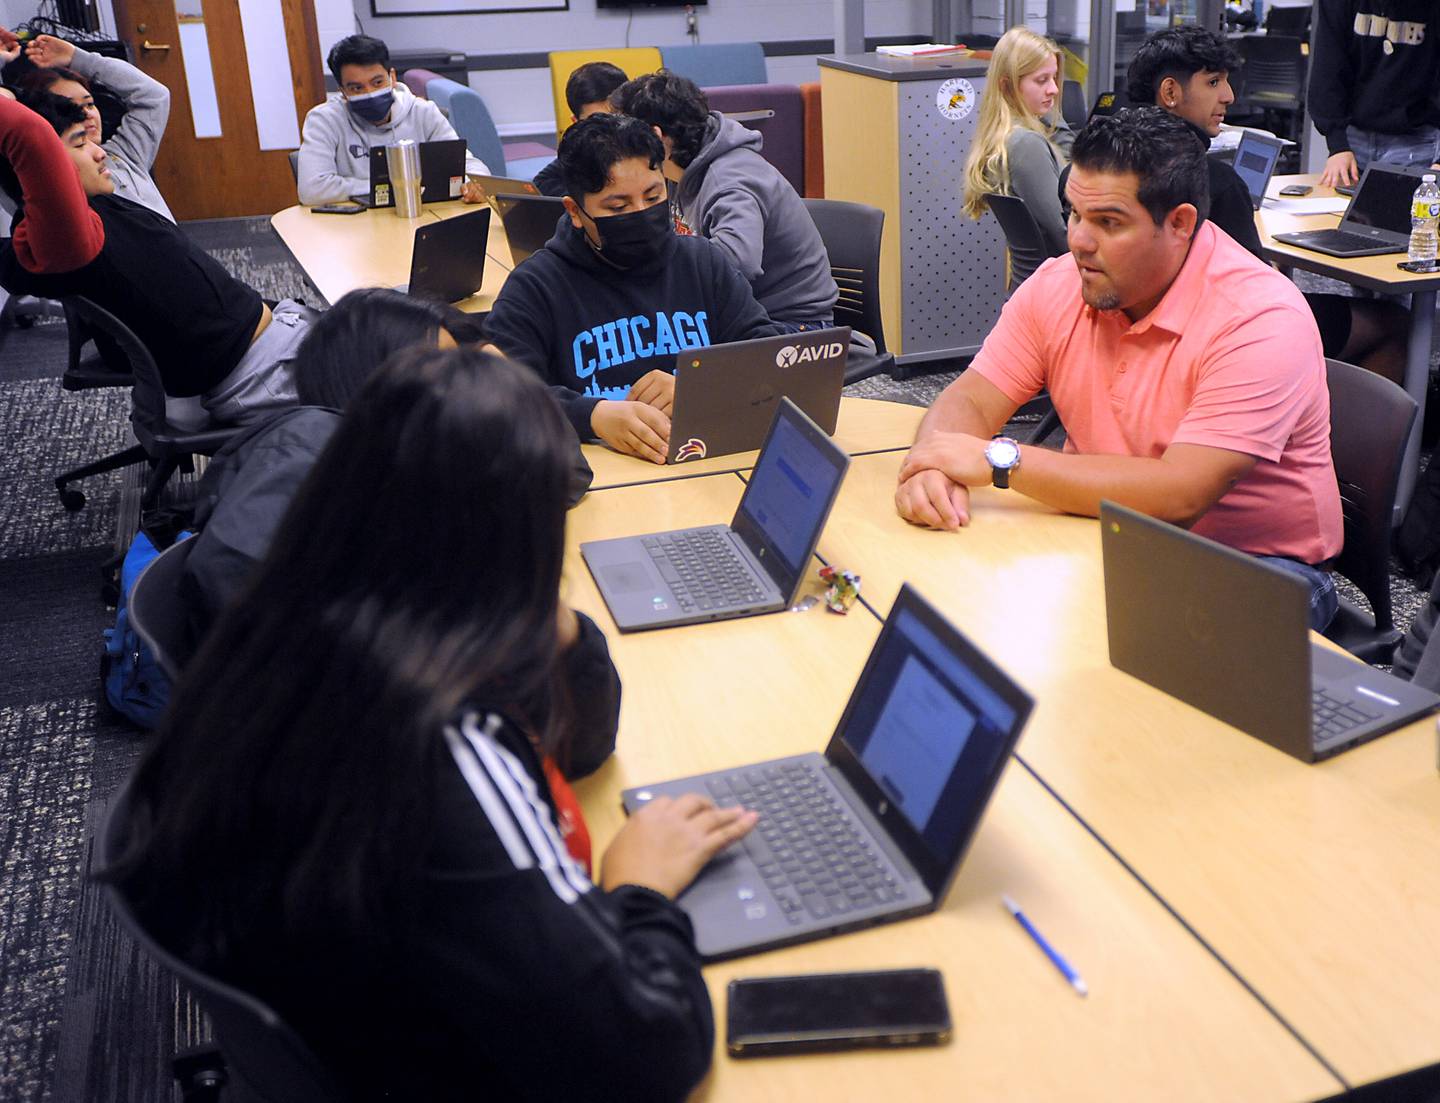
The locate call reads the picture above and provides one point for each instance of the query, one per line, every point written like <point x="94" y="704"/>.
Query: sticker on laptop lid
<point x="692" y="449"/>
<point x="457" y="185"/>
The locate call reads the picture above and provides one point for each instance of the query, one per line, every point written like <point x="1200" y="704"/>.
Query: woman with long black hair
<point x="345" y="811"/>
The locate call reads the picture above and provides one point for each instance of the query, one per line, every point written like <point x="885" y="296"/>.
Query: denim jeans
<point x="1324" y="601"/>
<point x="804" y="327"/>
<point x="1419" y="147"/>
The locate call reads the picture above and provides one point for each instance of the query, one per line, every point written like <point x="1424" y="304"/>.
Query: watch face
<point x="1003" y="453"/>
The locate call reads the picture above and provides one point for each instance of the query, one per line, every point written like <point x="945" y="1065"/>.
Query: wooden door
<point x="225" y="175"/>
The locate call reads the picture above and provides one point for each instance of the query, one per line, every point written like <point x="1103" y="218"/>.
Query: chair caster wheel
<point x="72" y="500"/>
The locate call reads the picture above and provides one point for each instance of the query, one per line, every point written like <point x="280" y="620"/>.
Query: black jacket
<point x="1374" y="65"/>
<point x="550" y="180"/>
<point x="591" y="330"/>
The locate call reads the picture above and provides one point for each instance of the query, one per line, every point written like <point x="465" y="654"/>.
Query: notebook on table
<point x="1376" y="222"/>
<point x="442" y="174"/>
<point x="875" y="828"/>
<point x="751" y="566"/>
<point x="1229" y="634"/>
<point x="725" y="395"/>
<point x="447" y="261"/>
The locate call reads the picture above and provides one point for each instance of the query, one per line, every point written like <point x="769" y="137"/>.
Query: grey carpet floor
<point x="85" y="1018"/>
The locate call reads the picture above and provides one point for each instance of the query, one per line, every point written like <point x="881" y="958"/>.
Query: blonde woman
<point x="1017" y="149"/>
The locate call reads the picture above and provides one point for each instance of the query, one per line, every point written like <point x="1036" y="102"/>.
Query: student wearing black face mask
<point x="371" y="109"/>
<point x="601" y="312"/>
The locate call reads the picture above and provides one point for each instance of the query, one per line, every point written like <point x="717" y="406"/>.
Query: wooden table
<point x="1319" y="885"/>
<point x="1374" y="273"/>
<point x="864" y="426"/>
<point x="1163" y="1020"/>
<point x="341" y="253"/>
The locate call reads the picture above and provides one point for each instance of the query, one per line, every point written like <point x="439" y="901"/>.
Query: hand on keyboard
<point x="669" y="840"/>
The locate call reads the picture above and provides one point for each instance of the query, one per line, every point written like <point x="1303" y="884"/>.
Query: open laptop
<point x="1228" y="634"/>
<point x="753" y="565"/>
<point x="529" y="221"/>
<point x="1255" y="159"/>
<point x="725" y="395"/>
<point x="442" y="174"/>
<point x="1377" y="221"/>
<point x="873" y="830"/>
<point x="503" y="185"/>
<point x="447" y="263"/>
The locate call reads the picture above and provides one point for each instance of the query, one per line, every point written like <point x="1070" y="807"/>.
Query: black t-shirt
<point x="196" y="319"/>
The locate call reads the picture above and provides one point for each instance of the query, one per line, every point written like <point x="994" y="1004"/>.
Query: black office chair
<point x="851" y="233"/>
<point x="1370" y="420"/>
<point x="1288" y="22"/>
<point x="1072" y="104"/>
<point x="165" y="446"/>
<point x="1271" y="79"/>
<point x="294" y="156"/>
<point x="258" y="1059"/>
<point x="157" y="612"/>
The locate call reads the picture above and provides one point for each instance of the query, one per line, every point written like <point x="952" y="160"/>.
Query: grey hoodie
<point x="335" y="145"/>
<point x="131" y="149"/>
<point x="738" y="200"/>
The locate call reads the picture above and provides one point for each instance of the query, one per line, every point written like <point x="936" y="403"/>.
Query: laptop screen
<point x="791" y="489"/>
<point x="1254" y="163"/>
<point x="1383" y="200"/>
<point x="931" y="725"/>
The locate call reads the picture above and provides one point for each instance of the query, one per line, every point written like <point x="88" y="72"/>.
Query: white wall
<point x="334" y="19"/>
<point x="520" y="99"/>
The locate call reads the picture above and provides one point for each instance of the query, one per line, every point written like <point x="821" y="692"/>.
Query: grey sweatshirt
<point x="335" y="145"/>
<point x="738" y="200"/>
<point x="132" y="148"/>
<point x="1034" y="178"/>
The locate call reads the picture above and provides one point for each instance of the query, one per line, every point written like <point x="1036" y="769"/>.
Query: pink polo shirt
<point x="1230" y="358"/>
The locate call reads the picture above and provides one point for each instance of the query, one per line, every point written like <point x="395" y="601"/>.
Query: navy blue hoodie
<point x="591" y="330"/>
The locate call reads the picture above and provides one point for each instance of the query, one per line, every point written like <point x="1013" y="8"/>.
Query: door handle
<point x="148" y="45"/>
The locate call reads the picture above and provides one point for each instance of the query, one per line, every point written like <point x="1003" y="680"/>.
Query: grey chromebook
<point x="725" y="395"/>
<point x="753" y="565"/>
<point x="1229" y="634"/>
<point x="447" y="263"/>
<point x="1255" y="159"/>
<point x="874" y="829"/>
<point x="1376" y="222"/>
<point x="529" y="221"/>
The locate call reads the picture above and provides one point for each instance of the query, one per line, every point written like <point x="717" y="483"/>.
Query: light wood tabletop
<point x="864" y="425"/>
<point x="1319" y="884"/>
<point x="340" y="253"/>
<point x="1163" y="1020"/>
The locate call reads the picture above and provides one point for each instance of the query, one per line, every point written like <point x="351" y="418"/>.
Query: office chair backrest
<point x="147" y="391"/>
<point x="1028" y="249"/>
<point x="158" y="613"/>
<point x="1370" y="420"/>
<point x="717" y="63"/>
<point x="633" y="61"/>
<point x="783" y="133"/>
<point x="1072" y="104"/>
<point x="471" y="120"/>
<point x="1294" y="22"/>
<point x="852" y="233"/>
<point x="266" y="1060"/>
<point x="1273" y="70"/>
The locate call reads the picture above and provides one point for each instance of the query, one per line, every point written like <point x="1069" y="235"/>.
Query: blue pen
<point x="1076" y="981"/>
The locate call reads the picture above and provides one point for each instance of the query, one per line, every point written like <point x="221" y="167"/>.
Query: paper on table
<point x="1331" y="205"/>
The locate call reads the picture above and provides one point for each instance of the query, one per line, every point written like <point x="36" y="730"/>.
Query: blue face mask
<point x="373" y="107"/>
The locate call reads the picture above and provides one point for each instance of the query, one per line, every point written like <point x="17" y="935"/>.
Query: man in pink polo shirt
<point x="1187" y="373"/>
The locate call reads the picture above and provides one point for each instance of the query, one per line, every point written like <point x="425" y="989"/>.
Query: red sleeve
<point x="59" y="232"/>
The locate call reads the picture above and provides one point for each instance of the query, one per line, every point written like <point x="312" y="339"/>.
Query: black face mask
<point x="633" y="239"/>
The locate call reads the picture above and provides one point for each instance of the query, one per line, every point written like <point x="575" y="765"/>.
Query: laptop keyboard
<point x="813" y="859"/>
<point x="703" y="569"/>
<point x="1336" y="715"/>
<point x="1339" y="239"/>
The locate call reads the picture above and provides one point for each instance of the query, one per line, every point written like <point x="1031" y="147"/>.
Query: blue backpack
<point x="135" y="685"/>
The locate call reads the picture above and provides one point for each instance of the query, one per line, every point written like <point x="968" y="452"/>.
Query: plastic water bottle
<point x="1424" y="220"/>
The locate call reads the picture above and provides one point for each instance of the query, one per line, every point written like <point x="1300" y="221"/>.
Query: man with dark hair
<point x="1188" y="374"/>
<point x="730" y="194"/>
<point x="372" y="108"/>
<point x="602" y="311"/>
<point x="587" y="93"/>
<point x="1186" y="71"/>
<point x="1375" y="84"/>
<point x="212" y="337"/>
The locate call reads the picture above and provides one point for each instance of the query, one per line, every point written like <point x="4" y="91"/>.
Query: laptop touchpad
<point x="627" y="578"/>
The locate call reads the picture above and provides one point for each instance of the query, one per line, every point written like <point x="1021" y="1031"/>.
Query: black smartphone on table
<point x="1296" y="189"/>
<point x="337" y="208"/>
<point x="1419" y="266"/>
<point x="823" y="1012"/>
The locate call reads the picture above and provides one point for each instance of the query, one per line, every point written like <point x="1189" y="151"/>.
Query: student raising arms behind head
<point x="344" y="811"/>
<point x="1017" y="151"/>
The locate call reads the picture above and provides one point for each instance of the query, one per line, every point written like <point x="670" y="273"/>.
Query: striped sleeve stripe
<point x="530" y="814"/>
<point x="490" y="800"/>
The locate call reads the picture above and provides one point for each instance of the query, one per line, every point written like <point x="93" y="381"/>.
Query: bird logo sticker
<point x="692" y="449"/>
<point x="956" y="98"/>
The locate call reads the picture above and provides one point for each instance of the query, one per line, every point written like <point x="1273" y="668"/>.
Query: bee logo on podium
<point x="956" y="98"/>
